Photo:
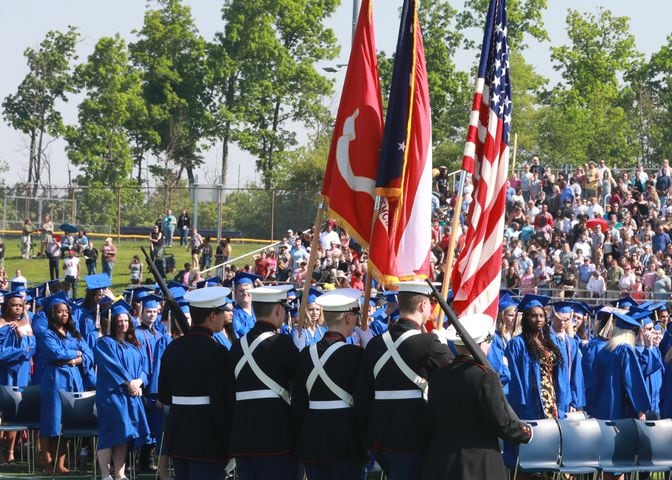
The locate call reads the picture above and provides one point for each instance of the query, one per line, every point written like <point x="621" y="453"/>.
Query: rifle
<point x="469" y="343"/>
<point x="178" y="314"/>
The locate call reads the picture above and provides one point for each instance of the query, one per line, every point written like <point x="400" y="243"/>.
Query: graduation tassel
<point x="169" y="328"/>
<point x="47" y="290"/>
<point x="97" y="316"/>
<point x="109" y="322"/>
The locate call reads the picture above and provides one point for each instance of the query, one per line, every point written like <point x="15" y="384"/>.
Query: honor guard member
<point x="329" y="443"/>
<point x="195" y="381"/>
<point x="469" y="413"/>
<point x="390" y="395"/>
<point x="243" y="313"/>
<point x="264" y="366"/>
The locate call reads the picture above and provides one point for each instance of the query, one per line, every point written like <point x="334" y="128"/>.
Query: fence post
<point x="272" y="213"/>
<point x="73" y="211"/>
<point x="118" y="214"/>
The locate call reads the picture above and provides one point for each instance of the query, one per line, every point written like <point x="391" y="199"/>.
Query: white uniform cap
<point x="477" y="325"/>
<point x="415" y="286"/>
<point x="339" y="300"/>
<point x="268" y="294"/>
<point x="212" y="297"/>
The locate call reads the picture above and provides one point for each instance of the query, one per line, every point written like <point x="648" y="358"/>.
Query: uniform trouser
<point x="335" y="471"/>
<point x="399" y="465"/>
<point x="197" y="470"/>
<point x="267" y="467"/>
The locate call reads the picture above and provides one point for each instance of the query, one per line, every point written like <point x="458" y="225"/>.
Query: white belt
<point x="178" y="400"/>
<point x="398" y="394"/>
<point x="256" y="394"/>
<point x="328" y="404"/>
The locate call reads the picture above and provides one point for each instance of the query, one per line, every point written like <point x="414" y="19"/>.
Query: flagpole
<point x="450" y="254"/>
<point x="369" y="275"/>
<point x="311" y="265"/>
<point x="515" y="150"/>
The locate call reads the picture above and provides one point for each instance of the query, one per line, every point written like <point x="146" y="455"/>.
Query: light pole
<point x="355" y="14"/>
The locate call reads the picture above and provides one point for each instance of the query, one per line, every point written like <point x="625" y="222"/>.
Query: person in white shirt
<point x="71" y="271"/>
<point x="595" y="210"/>
<point x="329" y="236"/>
<point x="596" y="286"/>
<point x="583" y="245"/>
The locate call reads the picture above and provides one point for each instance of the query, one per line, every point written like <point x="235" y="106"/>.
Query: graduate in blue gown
<point x="619" y="390"/>
<point x="97" y="288"/>
<point x="226" y="335"/>
<point x="312" y="330"/>
<point x="17" y="347"/>
<point x="602" y="331"/>
<point x="243" y="314"/>
<point x="506" y="321"/>
<point x="569" y="384"/>
<point x="120" y="380"/>
<point x="650" y="360"/>
<point x="67" y="360"/>
<point x="666" y="388"/>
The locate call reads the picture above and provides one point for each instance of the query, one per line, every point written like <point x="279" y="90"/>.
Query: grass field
<point x="36" y="270"/>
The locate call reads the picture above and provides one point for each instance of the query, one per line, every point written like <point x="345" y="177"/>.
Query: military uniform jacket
<point x="195" y="367"/>
<point x="397" y="425"/>
<point x="262" y="426"/>
<point x="469" y="413"/>
<point x="327" y="434"/>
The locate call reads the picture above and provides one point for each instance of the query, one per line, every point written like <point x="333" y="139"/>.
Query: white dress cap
<point x="339" y="300"/>
<point x="415" y="286"/>
<point x="212" y="297"/>
<point x="477" y="325"/>
<point x="270" y="294"/>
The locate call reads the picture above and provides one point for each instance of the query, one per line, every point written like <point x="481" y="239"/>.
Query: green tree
<point x="171" y="55"/>
<point x="588" y="118"/>
<point x="32" y="109"/>
<point x="273" y="46"/>
<point x="655" y="102"/>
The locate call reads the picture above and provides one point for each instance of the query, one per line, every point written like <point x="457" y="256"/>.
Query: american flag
<point x="476" y="276"/>
<point x="401" y="236"/>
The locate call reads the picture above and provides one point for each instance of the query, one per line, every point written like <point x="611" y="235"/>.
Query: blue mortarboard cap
<point x="173" y="284"/>
<point x="657" y="306"/>
<point x="17" y="286"/>
<point x="530" y="300"/>
<point x="184" y="306"/>
<point x="570" y="307"/>
<point x="313" y="293"/>
<point x="150" y="301"/>
<point x="136" y="294"/>
<point x="390" y="296"/>
<point x="55" y="299"/>
<point x="119" y="307"/>
<point x="292" y="294"/>
<point x="98" y="281"/>
<point x="625" y="321"/>
<point x="245" y="277"/>
<point x="33" y="292"/>
<point x="505" y="301"/>
<point x="105" y="302"/>
<point x="19" y="293"/>
<point x="210" y="282"/>
<point x="642" y="314"/>
<point x="177" y="292"/>
<point x="625" y="302"/>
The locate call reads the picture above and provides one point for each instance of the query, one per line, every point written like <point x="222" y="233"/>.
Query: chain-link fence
<point x="247" y="213"/>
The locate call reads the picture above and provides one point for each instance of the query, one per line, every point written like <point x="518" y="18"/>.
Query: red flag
<point x="477" y="274"/>
<point x="401" y="237"/>
<point x="350" y="177"/>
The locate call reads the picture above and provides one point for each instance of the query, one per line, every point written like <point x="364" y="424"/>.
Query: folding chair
<point x="79" y="421"/>
<point x="619" y="446"/>
<point x="20" y="409"/>
<point x="580" y="445"/>
<point x="576" y="415"/>
<point x="655" y="445"/>
<point x="542" y="454"/>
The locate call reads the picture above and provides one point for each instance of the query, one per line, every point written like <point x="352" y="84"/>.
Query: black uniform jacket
<point x="263" y="426"/>
<point x="327" y="435"/>
<point x="397" y="425"/>
<point x="195" y="365"/>
<point x="468" y="415"/>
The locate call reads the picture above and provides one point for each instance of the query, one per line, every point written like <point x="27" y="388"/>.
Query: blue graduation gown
<point x="242" y="321"/>
<point x="666" y="341"/>
<point x="60" y="377"/>
<point x="307" y="337"/>
<point x="569" y="385"/>
<point x="525" y="385"/>
<point x="148" y="339"/>
<point x="121" y="418"/>
<point x="15" y="355"/>
<point x="589" y="353"/>
<point x="618" y="388"/>
<point x="85" y="321"/>
<point x="498" y="360"/>
<point x="666" y="393"/>
<point x="651" y="363"/>
<point x="222" y="339"/>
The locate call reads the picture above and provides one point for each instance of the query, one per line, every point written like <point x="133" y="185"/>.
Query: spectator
<point x="136" y="269"/>
<point x="169" y="224"/>
<point x="662" y="286"/>
<point x="26" y="233"/>
<point x="627" y="280"/>
<point x="596" y="285"/>
<point x="206" y="254"/>
<point x="53" y="252"/>
<point x="71" y="271"/>
<point x="159" y="222"/>
<point x="4" y="281"/>
<point x="614" y="275"/>
<point x="196" y="242"/>
<point x="660" y="240"/>
<point x="18" y="280"/>
<point x="183" y="275"/>
<point x="184" y="226"/>
<point x="109" y="254"/>
<point x="91" y="258"/>
<point x="47" y="231"/>
<point x="155" y="241"/>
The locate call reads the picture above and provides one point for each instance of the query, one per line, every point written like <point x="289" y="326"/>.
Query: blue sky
<point x="24" y="23"/>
